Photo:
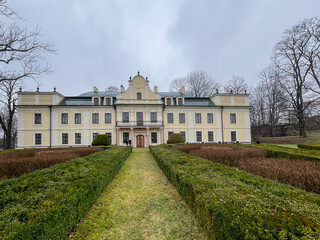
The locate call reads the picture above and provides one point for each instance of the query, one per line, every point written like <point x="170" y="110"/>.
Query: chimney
<point x="182" y="90"/>
<point x="122" y="89"/>
<point x="95" y="90"/>
<point x="155" y="89"/>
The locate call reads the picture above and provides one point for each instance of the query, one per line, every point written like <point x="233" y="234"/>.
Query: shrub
<point x="231" y="204"/>
<point x="310" y="146"/>
<point x="101" y="140"/>
<point x="175" y="138"/>
<point x="47" y="204"/>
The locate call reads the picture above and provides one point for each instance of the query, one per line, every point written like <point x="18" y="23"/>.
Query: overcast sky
<point x="102" y="43"/>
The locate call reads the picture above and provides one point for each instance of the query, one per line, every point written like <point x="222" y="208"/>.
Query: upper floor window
<point x="125" y="117"/>
<point x="139" y="96"/>
<point x="198" y="117"/>
<point x="64" y="118"/>
<point x="170" y="117"/>
<point x="182" y="118"/>
<point x="107" y="118"/>
<point x="77" y="118"/>
<point x="96" y="101"/>
<point x="153" y="117"/>
<point x="210" y="117"/>
<point x="95" y="118"/>
<point x="108" y="101"/>
<point x="180" y="101"/>
<point x="233" y="118"/>
<point x="169" y="101"/>
<point x="37" y="118"/>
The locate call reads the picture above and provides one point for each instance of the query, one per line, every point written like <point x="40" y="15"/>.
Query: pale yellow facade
<point x="139" y="114"/>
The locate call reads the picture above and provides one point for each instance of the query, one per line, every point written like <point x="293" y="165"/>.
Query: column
<point x="148" y="137"/>
<point x="161" y="135"/>
<point x="132" y="138"/>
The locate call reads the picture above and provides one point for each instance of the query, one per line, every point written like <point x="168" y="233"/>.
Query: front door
<point x="140" y="141"/>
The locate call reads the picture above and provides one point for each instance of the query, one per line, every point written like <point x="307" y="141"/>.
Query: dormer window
<point x="139" y="96"/>
<point x="180" y="101"/>
<point x="169" y="102"/>
<point x="108" y="101"/>
<point x="96" y="101"/>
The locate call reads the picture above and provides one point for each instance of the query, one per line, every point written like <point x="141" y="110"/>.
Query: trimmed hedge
<point x="310" y="146"/>
<point x="101" y="140"/>
<point x="231" y="204"/>
<point x="175" y="138"/>
<point x="47" y="204"/>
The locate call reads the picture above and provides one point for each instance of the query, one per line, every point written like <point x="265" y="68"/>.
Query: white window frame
<point x="67" y="118"/>
<point x="62" y="139"/>
<point x="35" y="139"/>
<point x="34" y="120"/>
<point x="235" y="118"/>
<point x="75" y="138"/>
<point x="95" y="115"/>
<point x="75" y="119"/>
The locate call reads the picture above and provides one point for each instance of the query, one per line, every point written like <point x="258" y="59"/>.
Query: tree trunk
<point x="8" y="141"/>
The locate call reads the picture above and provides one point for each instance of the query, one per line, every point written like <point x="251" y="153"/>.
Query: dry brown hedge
<point x="14" y="164"/>
<point x="301" y="174"/>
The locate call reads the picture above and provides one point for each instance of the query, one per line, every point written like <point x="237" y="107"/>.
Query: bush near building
<point x="231" y="204"/>
<point x="175" y="138"/>
<point x="101" y="140"/>
<point x="47" y="204"/>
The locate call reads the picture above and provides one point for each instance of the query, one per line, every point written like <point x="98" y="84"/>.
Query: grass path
<point x="139" y="203"/>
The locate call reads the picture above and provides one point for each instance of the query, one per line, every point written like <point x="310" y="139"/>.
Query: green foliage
<point x="46" y="204"/>
<point x="101" y="140"/>
<point x="276" y="151"/>
<point x="310" y="146"/>
<point x="231" y="204"/>
<point x="175" y="138"/>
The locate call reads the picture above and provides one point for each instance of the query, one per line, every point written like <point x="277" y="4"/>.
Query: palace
<point x="146" y="117"/>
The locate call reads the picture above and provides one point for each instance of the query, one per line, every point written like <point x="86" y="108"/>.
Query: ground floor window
<point x="154" y="137"/>
<point x="125" y="137"/>
<point x="210" y="136"/>
<point x="94" y="135"/>
<point x="183" y="134"/>
<point x="77" y="138"/>
<point x="109" y="136"/>
<point x="233" y="136"/>
<point x="65" y="138"/>
<point x="199" y="136"/>
<point x="37" y="138"/>
<point x="169" y="133"/>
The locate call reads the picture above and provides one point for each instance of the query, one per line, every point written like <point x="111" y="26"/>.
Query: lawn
<point x="139" y="203"/>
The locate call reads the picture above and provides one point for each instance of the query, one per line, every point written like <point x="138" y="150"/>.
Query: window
<point x="108" y="101"/>
<point x="94" y="135"/>
<point x="233" y="118"/>
<point x="153" y="117"/>
<point x="109" y="135"/>
<point x="182" y="118"/>
<point x="77" y="138"/>
<point x="125" y="117"/>
<point x="140" y="118"/>
<point x="154" y="137"/>
<point x="107" y="118"/>
<point x="64" y="118"/>
<point x="37" y="138"/>
<point x="169" y="133"/>
<point x="210" y="136"/>
<point x="37" y="118"/>
<point x="198" y="117"/>
<point x="180" y="101"/>
<point x="96" y="101"/>
<point x="77" y="118"/>
<point x="210" y="117"/>
<point x="65" y="138"/>
<point x="199" y="136"/>
<point x="233" y="136"/>
<point x="169" y="101"/>
<point x="95" y="118"/>
<point x="183" y="134"/>
<point x="170" y="117"/>
<point x="125" y="137"/>
<point x="139" y="96"/>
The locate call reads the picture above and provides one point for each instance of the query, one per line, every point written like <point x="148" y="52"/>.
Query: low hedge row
<point x="47" y="204"/>
<point x="310" y="146"/>
<point x="231" y="204"/>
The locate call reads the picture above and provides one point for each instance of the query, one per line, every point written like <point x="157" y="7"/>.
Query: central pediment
<point x="138" y="92"/>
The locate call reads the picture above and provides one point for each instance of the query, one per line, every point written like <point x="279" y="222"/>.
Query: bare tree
<point x="200" y="84"/>
<point x="8" y="100"/>
<point x="288" y="57"/>
<point x="177" y="83"/>
<point x="237" y="84"/>
<point x="5" y="10"/>
<point x="113" y="89"/>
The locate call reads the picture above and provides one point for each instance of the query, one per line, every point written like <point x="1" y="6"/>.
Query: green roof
<point x="175" y="94"/>
<point x="81" y="101"/>
<point x="100" y="94"/>
<point x="198" y="102"/>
